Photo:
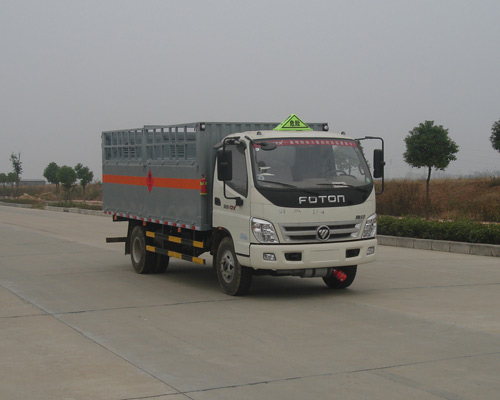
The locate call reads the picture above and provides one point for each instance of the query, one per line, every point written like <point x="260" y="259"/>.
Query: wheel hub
<point x="227" y="267"/>
<point x="136" y="250"/>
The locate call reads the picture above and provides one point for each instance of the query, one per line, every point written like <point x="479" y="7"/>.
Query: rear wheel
<point x="234" y="279"/>
<point x="333" y="283"/>
<point x="161" y="263"/>
<point x="143" y="261"/>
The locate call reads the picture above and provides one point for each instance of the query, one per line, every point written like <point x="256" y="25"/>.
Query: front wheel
<point x="333" y="283"/>
<point x="234" y="279"/>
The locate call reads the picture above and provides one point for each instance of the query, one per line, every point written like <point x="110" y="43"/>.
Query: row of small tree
<point x="13" y="177"/>
<point x="10" y="178"/>
<point x="67" y="176"/>
<point x="64" y="176"/>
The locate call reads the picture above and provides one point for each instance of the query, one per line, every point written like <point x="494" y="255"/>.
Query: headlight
<point x="370" y="229"/>
<point x="264" y="231"/>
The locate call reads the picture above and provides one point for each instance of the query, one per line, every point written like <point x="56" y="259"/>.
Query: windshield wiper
<point x="288" y="185"/>
<point x="341" y="185"/>
<point x="279" y="183"/>
<point x="338" y="184"/>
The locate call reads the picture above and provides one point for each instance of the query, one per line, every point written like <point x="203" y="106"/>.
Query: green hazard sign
<point x="293" y="123"/>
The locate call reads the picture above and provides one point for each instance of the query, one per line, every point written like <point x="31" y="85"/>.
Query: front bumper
<point x="305" y="256"/>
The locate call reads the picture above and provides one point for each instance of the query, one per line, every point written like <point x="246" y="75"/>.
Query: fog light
<point x="370" y="251"/>
<point x="269" y="257"/>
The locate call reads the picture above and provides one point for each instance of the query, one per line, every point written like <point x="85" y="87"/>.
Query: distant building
<point x="32" y="182"/>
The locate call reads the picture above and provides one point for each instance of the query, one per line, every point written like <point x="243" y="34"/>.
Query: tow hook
<point x="340" y="275"/>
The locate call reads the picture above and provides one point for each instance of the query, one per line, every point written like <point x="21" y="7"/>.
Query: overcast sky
<point x="71" y="69"/>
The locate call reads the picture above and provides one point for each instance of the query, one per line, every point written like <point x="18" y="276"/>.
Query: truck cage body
<point x="153" y="174"/>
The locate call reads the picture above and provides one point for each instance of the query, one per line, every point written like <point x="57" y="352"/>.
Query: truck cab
<point x="293" y="203"/>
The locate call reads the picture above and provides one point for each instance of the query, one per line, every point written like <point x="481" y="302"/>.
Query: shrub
<point x="459" y="231"/>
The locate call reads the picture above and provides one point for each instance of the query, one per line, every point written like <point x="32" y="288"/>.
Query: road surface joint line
<point x="141" y="307"/>
<point x="429" y="320"/>
<point x="57" y="316"/>
<point x="25" y="316"/>
<point x="155" y="396"/>
<point x="435" y="287"/>
<point x="417" y="385"/>
<point x="355" y="371"/>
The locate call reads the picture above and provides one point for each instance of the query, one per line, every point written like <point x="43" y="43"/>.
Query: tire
<point x="234" y="279"/>
<point x="143" y="261"/>
<point x="161" y="263"/>
<point x="334" y="283"/>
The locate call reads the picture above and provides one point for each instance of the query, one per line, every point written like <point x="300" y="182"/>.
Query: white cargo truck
<point x="261" y="198"/>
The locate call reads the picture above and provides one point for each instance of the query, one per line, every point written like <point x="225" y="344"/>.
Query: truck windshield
<point x="310" y="164"/>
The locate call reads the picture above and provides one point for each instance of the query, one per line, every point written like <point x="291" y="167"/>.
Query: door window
<point x="239" y="183"/>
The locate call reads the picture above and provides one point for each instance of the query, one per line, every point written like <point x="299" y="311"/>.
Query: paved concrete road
<point x="77" y="323"/>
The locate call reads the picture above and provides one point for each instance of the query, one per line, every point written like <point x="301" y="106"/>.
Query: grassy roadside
<point x="463" y="210"/>
<point x="49" y="195"/>
<point x="451" y="199"/>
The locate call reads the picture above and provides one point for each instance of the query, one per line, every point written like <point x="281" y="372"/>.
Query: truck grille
<point x="308" y="232"/>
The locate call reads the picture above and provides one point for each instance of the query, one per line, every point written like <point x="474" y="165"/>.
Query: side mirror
<point x="224" y="165"/>
<point x="378" y="163"/>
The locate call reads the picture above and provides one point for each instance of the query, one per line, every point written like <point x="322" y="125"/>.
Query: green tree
<point x="84" y="174"/>
<point x="428" y="145"/>
<point x="67" y="177"/>
<point x="17" y="167"/>
<point x="50" y="173"/>
<point x="3" y="178"/>
<point x="12" y="178"/>
<point x="495" y="136"/>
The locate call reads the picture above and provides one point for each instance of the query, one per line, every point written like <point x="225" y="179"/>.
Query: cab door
<point x="231" y="209"/>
